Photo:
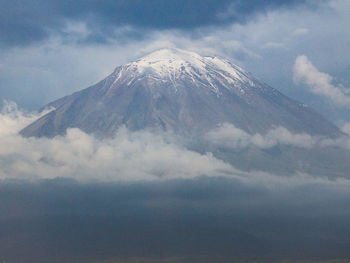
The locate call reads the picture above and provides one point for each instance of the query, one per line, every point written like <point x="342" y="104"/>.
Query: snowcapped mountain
<point x="182" y="92"/>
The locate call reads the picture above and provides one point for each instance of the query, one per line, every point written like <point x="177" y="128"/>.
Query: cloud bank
<point x="320" y="83"/>
<point x="230" y="136"/>
<point x="128" y="156"/>
<point x="131" y="156"/>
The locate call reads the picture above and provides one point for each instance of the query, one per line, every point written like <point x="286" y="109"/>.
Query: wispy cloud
<point x="320" y="83"/>
<point x="12" y="120"/>
<point x="230" y="136"/>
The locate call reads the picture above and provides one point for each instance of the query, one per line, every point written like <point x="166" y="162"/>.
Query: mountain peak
<point x="173" y="54"/>
<point x="169" y="61"/>
<point x="173" y="64"/>
<point x="188" y="95"/>
<point x="179" y="91"/>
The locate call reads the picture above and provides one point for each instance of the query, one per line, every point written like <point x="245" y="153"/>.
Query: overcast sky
<point x="51" y="48"/>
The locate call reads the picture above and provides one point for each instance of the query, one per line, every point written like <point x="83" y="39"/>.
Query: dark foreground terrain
<point x="208" y="219"/>
<point x="174" y="260"/>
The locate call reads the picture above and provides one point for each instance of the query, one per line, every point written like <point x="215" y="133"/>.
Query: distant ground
<point x="319" y="261"/>
<point x="176" y="260"/>
<point x="203" y="220"/>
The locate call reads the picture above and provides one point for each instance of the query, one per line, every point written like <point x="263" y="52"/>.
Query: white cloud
<point x="13" y="120"/>
<point x="320" y="83"/>
<point x="128" y="156"/>
<point x="230" y="136"/>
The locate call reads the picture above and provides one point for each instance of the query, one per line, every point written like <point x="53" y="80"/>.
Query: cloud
<point x="12" y="120"/>
<point x="230" y="136"/>
<point x="131" y="156"/>
<point x="128" y="156"/>
<point x="320" y="83"/>
<point x="25" y="22"/>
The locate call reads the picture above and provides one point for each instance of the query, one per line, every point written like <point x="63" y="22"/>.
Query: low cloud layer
<point x="128" y="156"/>
<point x="320" y="83"/>
<point x="229" y="136"/>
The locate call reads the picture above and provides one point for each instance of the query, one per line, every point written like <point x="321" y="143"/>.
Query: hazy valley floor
<point x="206" y="219"/>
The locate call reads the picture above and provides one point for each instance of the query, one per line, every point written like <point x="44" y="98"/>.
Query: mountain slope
<point x="182" y="92"/>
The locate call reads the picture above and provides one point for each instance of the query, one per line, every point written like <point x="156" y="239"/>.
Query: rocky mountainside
<point x="182" y="92"/>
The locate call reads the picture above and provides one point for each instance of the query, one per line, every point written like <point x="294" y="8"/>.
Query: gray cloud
<point x="25" y="22"/>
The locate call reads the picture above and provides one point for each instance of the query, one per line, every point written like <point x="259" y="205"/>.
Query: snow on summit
<point x="165" y="60"/>
<point x="172" y="64"/>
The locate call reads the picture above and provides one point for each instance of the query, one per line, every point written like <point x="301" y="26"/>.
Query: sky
<point x="76" y="198"/>
<point x="52" y="48"/>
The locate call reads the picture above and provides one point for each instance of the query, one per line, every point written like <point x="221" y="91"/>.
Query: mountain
<point x="190" y="95"/>
<point x="182" y="92"/>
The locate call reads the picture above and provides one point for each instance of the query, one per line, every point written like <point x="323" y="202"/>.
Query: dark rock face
<point x="182" y="92"/>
